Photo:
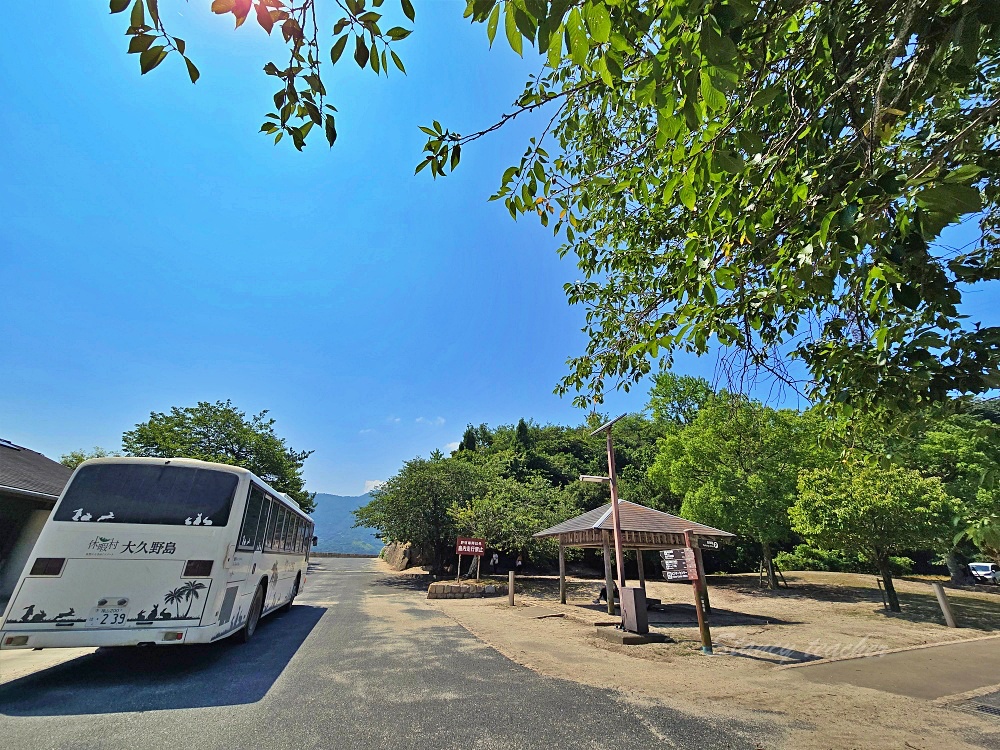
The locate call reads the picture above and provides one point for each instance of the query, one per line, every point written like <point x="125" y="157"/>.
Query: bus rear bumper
<point x="162" y="636"/>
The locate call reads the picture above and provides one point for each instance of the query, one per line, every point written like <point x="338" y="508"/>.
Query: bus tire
<point x="287" y="606"/>
<point x="245" y="633"/>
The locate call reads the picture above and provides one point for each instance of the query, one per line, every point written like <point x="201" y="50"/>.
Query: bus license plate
<point x="106" y="616"/>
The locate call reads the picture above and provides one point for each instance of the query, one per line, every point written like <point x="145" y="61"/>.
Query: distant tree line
<point x="794" y="485"/>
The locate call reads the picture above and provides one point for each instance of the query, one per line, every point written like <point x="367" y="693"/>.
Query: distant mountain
<point x="333" y="526"/>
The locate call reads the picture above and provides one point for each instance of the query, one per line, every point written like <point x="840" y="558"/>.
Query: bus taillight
<point x="47" y="566"/>
<point x="198" y="569"/>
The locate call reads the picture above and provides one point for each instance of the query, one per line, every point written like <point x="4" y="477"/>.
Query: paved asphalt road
<point x="361" y="661"/>
<point x="926" y="673"/>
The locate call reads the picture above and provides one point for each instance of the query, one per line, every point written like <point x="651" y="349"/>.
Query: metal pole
<point x="615" y="518"/>
<point x="510" y="587"/>
<point x="458" y="573"/>
<point x="706" y="634"/>
<point x="949" y="618"/>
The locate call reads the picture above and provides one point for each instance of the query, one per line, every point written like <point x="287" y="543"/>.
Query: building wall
<point x="22" y="522"/>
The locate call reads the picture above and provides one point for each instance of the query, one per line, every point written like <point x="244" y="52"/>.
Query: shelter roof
<point x="635" y="518"/>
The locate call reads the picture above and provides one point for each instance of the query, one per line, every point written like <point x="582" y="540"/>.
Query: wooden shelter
<point x="642" y="529"/>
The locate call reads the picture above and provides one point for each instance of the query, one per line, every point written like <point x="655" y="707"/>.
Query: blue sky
<point x="156" y="251"/>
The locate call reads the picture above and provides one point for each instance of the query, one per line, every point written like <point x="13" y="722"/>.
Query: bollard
<point x="510" y="587"/>
<point x="949" y="619"/>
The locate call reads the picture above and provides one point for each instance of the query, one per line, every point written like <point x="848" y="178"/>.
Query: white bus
<point x="159" y="551"/>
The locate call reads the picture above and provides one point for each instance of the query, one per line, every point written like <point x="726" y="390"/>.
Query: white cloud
<point x="368" y="431"/>
<point x="373" y="484"/>
<point x="452" y="446"/>
<point x="392" y="420"/>
<point x="435" y="422"/>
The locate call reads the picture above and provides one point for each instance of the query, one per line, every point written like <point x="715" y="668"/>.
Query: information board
<point x="470" y="546"/>
<point x="678" y="564"/>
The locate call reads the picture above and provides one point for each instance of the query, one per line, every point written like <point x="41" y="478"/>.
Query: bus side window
<point x="298" y="540"/>
<point x="268" y="540"/>
<point x="286" y="538"/>
<point x="279" y="530"/>
<point x="253" y="519"/>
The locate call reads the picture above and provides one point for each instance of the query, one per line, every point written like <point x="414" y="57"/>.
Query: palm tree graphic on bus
<point x="186" y="593"/>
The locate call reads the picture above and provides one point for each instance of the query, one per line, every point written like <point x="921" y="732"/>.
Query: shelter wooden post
<point x="701" y="580"/>
<point x="706" y="634"/>
<point x="609" y="580"/>
<point x="562" y="573"/>
<point x="642" y="572"/>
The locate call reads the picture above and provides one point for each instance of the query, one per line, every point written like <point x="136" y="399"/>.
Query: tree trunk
<point x="473" y="568"/>
<point x="772" y="578"/>
<point x="890" y="590"/>
<point x="956" y="568"/>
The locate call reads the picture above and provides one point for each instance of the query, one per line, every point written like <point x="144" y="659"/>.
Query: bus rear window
<point x="142" y="493"/>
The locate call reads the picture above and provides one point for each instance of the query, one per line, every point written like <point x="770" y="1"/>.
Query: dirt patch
<point x="820" y="616"/>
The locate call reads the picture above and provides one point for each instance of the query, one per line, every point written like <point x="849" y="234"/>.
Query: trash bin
<point x="633" y="603"/>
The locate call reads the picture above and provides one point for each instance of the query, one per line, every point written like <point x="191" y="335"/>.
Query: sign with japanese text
<point x="469" y="546"/>
<point x="678" y="564"/>
<point x="105" y="546"/>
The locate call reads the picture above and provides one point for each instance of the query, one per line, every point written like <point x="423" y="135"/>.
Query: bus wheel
<point x="253" y="616"/>
<point x="287" y="606"/>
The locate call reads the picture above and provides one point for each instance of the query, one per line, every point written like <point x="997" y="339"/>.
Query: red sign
<point x="467" y="546"/>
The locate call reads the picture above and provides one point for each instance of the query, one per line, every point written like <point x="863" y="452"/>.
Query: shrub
<point x="804" y="557"/>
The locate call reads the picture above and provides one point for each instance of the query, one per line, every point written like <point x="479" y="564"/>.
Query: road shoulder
<point x="813" y="715"/>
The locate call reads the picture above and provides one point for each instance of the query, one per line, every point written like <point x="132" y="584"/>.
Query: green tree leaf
<point x="950" y="199"/>
<point x="140" y="43"/>
<point x="397" y="61"/>
<point x="138" y="17"/>
<point x="491" y="26"/>
<point x="338" y="49"/>
<point x="579" y="45"/>
<point x="151" y="57"/>
<point x="510" y="26"/>
<point x="713" y="98"/>
<point x="688" y="197"/>
<point x="361" y="55"/>
<point x="193" y="73"/>
<point x="598" y="21"/>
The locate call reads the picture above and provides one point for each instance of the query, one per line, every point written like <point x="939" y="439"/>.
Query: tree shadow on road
<point x="969" y="612"/>
<point x="405" y="581"/>
<point x="157" y="678"/>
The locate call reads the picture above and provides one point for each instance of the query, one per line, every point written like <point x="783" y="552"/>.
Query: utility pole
<point x="616" y="523"/>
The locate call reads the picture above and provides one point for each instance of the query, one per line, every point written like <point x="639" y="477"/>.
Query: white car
<point x="985" y="572"/>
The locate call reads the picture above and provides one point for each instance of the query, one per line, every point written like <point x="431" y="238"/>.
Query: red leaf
<point x="264" y="17"/>
<point x="241" y="9"/>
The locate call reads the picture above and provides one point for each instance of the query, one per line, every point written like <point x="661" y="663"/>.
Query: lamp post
<point x="616" y="523"/>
